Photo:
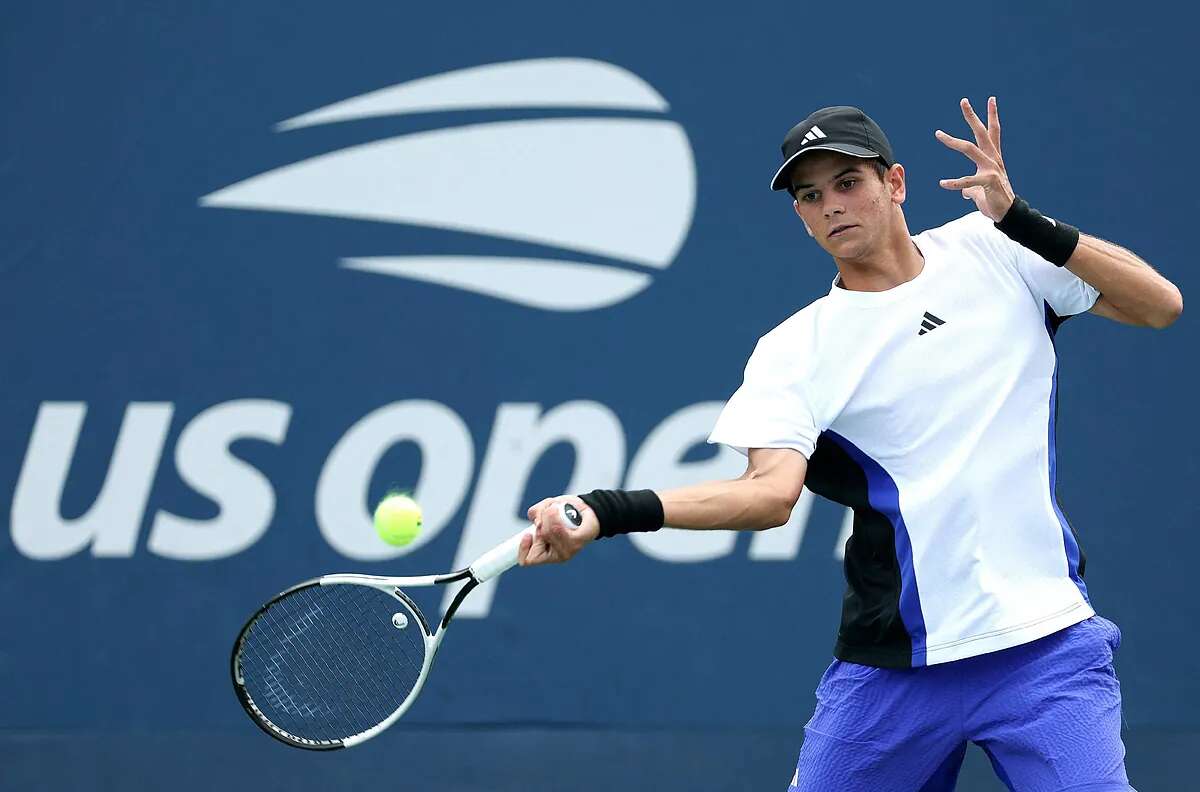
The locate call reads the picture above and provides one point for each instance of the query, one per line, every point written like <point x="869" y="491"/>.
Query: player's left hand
<point x="989" y="187"/>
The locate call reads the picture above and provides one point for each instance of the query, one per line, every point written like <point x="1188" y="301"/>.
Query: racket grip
<point x="499" y="559"/>
<point x="503" y="556"/>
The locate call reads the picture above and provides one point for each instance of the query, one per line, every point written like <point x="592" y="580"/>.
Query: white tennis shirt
<point x="929" y="409"/>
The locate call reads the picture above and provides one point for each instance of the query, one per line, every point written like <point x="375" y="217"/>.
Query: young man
<point x="921" y="392"/>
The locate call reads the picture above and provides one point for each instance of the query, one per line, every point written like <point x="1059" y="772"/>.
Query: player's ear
<point x="894" y="179"/>
<point x="796" y="206"/>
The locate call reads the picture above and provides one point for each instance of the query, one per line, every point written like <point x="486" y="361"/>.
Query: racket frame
<point x="393" y="586"/>
<point x="491" y="564"/>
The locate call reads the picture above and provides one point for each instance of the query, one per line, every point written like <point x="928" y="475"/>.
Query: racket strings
<point x="343" y="689"/>
<point x="326" y="662"/>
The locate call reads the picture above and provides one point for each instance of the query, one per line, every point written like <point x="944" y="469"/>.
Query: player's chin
<point x="849" y="244"/>
<point x="842" y="248"/>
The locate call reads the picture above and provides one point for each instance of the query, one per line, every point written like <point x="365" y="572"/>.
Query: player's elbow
<point x="777" y="508"/>
<point x="774" y="479"/>
<point x="780" y="516"/>
<point x="1172" y="312"/>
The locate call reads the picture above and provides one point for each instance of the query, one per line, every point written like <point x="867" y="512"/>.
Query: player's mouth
<point x="839" y="229"/>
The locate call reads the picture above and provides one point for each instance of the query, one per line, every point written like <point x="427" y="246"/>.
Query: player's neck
<point x="898" y="261"/>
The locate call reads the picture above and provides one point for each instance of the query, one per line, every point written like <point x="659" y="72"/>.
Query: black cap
<point x="845" y="129"/>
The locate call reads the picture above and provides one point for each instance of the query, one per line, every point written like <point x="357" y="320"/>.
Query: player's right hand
<point x="554" y="539"/>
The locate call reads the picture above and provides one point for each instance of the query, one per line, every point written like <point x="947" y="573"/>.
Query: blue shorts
<point x="1047" y="713"/>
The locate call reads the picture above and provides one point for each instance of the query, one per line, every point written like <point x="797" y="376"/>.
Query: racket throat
<point x="458" y="598"/>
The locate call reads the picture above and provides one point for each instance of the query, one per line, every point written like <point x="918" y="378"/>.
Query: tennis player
<point x="921" y="391"/>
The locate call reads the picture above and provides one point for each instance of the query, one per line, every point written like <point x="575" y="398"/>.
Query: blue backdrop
<point x="263" y="262"/>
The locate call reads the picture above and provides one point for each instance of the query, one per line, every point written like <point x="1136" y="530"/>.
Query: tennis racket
<point x="332" y="662"/>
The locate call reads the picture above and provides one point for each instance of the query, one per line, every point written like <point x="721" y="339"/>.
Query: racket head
<point x="332" y="662"/>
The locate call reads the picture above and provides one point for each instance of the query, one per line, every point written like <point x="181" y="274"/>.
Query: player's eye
<point x="848" y="183"/>
<point x="808" y="197"/>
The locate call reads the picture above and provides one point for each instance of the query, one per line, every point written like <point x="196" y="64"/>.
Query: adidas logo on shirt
<point x="930" y="322"/>
<point x="813" y="134"/>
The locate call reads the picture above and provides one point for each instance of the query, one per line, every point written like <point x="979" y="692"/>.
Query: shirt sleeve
<point x="1066" y="293"/>
<point x="770" y="410"/>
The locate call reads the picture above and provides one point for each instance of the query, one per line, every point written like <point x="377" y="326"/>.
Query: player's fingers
<point x="523" y="548"/>
<point x="983" y="136"/>
<point x="536" y="508"/>
<point x="544" y="513"/>
<point x="958" y="144"/>
<point x="552" y="531"/>
<point x="965" y="147"/>
<point x="966" y="181"/>
<point x="539" y="552"/>
<point x="977" y="127"/>
<point x="994" y="124"/>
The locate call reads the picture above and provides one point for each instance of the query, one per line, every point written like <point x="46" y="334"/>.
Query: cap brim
<point x="780" y="180"/>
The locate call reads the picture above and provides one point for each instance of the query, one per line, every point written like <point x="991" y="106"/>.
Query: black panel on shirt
<point x="872" y="632"/>
<point x="1053" y="322"/>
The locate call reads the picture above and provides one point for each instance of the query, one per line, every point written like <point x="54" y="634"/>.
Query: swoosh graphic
<point x="536" y="283"/>
<point x="544" y="82"/>
<point x="620" y="188"/>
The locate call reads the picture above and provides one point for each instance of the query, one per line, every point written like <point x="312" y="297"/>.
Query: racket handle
<point x="499" y="559"/>
<point x="503" y="556"/>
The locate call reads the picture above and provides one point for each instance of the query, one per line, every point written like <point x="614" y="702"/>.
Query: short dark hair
<point x="876" y="165"/>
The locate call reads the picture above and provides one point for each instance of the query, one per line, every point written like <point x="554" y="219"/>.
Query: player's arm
<point x="1131" y="290"/>
<point x="1103" y="307"/>
<point x="760" y="498"/>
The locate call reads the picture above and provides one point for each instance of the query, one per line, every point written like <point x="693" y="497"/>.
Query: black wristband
<point x="625" y="511"/>
<point x="1050" y="239"/>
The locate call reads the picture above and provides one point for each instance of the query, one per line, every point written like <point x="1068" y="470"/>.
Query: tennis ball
<point x="397" y="520"/>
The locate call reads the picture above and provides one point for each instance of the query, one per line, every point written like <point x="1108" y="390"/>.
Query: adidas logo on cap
<point x="813" y="134"/>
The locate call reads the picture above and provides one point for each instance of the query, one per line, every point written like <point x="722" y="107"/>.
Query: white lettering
<point x="112" y="523"/>
<point x="246" y="498"/>
<point x="243" y="494"/>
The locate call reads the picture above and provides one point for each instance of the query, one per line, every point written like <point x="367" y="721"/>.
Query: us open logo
<point x="618" y="192"/>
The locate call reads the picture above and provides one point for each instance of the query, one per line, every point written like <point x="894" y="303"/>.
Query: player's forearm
<point x="742" y="504"/>
<point x="1126" y="281"/>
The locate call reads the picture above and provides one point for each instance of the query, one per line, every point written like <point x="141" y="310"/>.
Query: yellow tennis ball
<point x="397" y="520"/>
